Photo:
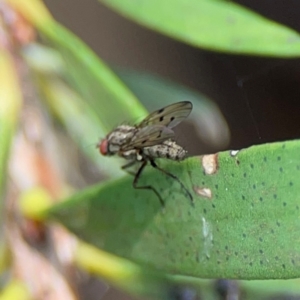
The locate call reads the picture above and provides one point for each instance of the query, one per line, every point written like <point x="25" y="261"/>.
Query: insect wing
<point x="149" y="136"/>
<point x="169" y="116"/>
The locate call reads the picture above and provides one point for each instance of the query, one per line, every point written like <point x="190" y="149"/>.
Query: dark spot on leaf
<point x="298" y="167"/>
<point x="261" y="199"/>
<point x="265" y="159"/>
<point x="283" y="265"/>
<point x="278" y="158"/>
<point x="218" y="251"/>
<point x="284" y="203"/>
<point x="226" y="247"/>
<point x="293" y="261"/>
<point x="213" y="206"/>
<point x="251" y="264"/>
<point x="190" y="238"/>
<point x="227" y="258"/>
<point x="252" y="204"/>
<point x="260" y="239"/>
<point x="244" y="235"/>
<point x="261" y="262"/>
<point x="243" y="197"/>
<point x="218" y="262"/>
<point x="237" y="161"/>
<point x="245" y="175"/>
<point x="276" y="258"/>
<point x="291" y="184"/>
<point x="236" y="253"/>
<point x="204" y="210"/>
<point x="186" y="253"/>
<point x="252" y="166"/>
<point x="272" y="231"/>
<point x="189" y="213"/>
<point x="232" y="175"/>
<point x="278" y="224"/>
<point x="207" y="257"/>
<point x="297" y="207"/>
<point x="203" y="183"/>
<point x="245" y="256"/>
<point x="216" y="186"/>
<point x="283" y="146"/>
<point x="263" y="183"/>
<point x="260" y="251"/>
<point x="254" y="186"/>
<point x="274" y="196"/>
<point x="197" y="258"/>
<point x="280" y="169"/>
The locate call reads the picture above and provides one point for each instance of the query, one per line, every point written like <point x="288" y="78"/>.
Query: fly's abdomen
<point x="167" y="149"/>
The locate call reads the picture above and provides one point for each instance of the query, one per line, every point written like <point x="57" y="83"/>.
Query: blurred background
<point x="258" y="96"/>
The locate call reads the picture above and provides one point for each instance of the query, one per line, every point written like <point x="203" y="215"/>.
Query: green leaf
<point x="92" y="79"/>
<point x="214" y="25"/>
<point x="89" y="76"/>
<point x="244" y="223"/>
<point x="10" y="103"/>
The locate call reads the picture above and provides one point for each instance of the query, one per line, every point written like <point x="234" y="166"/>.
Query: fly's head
<point x="113" y="143"/>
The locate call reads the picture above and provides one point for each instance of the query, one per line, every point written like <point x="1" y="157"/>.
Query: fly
<point x="150" y="139"/>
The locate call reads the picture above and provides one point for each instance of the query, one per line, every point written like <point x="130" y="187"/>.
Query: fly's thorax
<point x="130" y="154"/>
<point x="168" y="149"/>
<point x="119" y="137"/>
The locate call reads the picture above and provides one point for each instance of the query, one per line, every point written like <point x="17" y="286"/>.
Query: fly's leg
<point x="125" y="167"/>
<point x="154" y="165"/>
<point x="146" y="187"/>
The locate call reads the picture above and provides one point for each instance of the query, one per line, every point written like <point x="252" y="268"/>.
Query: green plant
<point x="245" y="202"/>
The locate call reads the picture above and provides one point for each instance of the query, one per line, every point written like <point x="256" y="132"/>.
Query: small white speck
<point x="234" y="152"/>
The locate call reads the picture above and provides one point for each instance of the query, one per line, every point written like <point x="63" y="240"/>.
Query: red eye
<point x="103" y="147"/>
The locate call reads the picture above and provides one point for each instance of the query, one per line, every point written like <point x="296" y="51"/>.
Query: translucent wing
<point x="169" y="116"/>
<point x="149" y="136"/>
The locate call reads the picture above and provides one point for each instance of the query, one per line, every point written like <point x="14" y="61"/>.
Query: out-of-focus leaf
<point x="89" y="76"/>
<point x="10" y="102"/>
<point x="121" y="272"/>
<point x="34" y="202"/>
<point x="155" y="92"/>
<point x="33" y="10"/>
<point x="248" y="204"/>
<point x="16" y="290"/>
<point x="80" y="120"/>
<point x="95" y="82"/>
<point x="214" y="25"/>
